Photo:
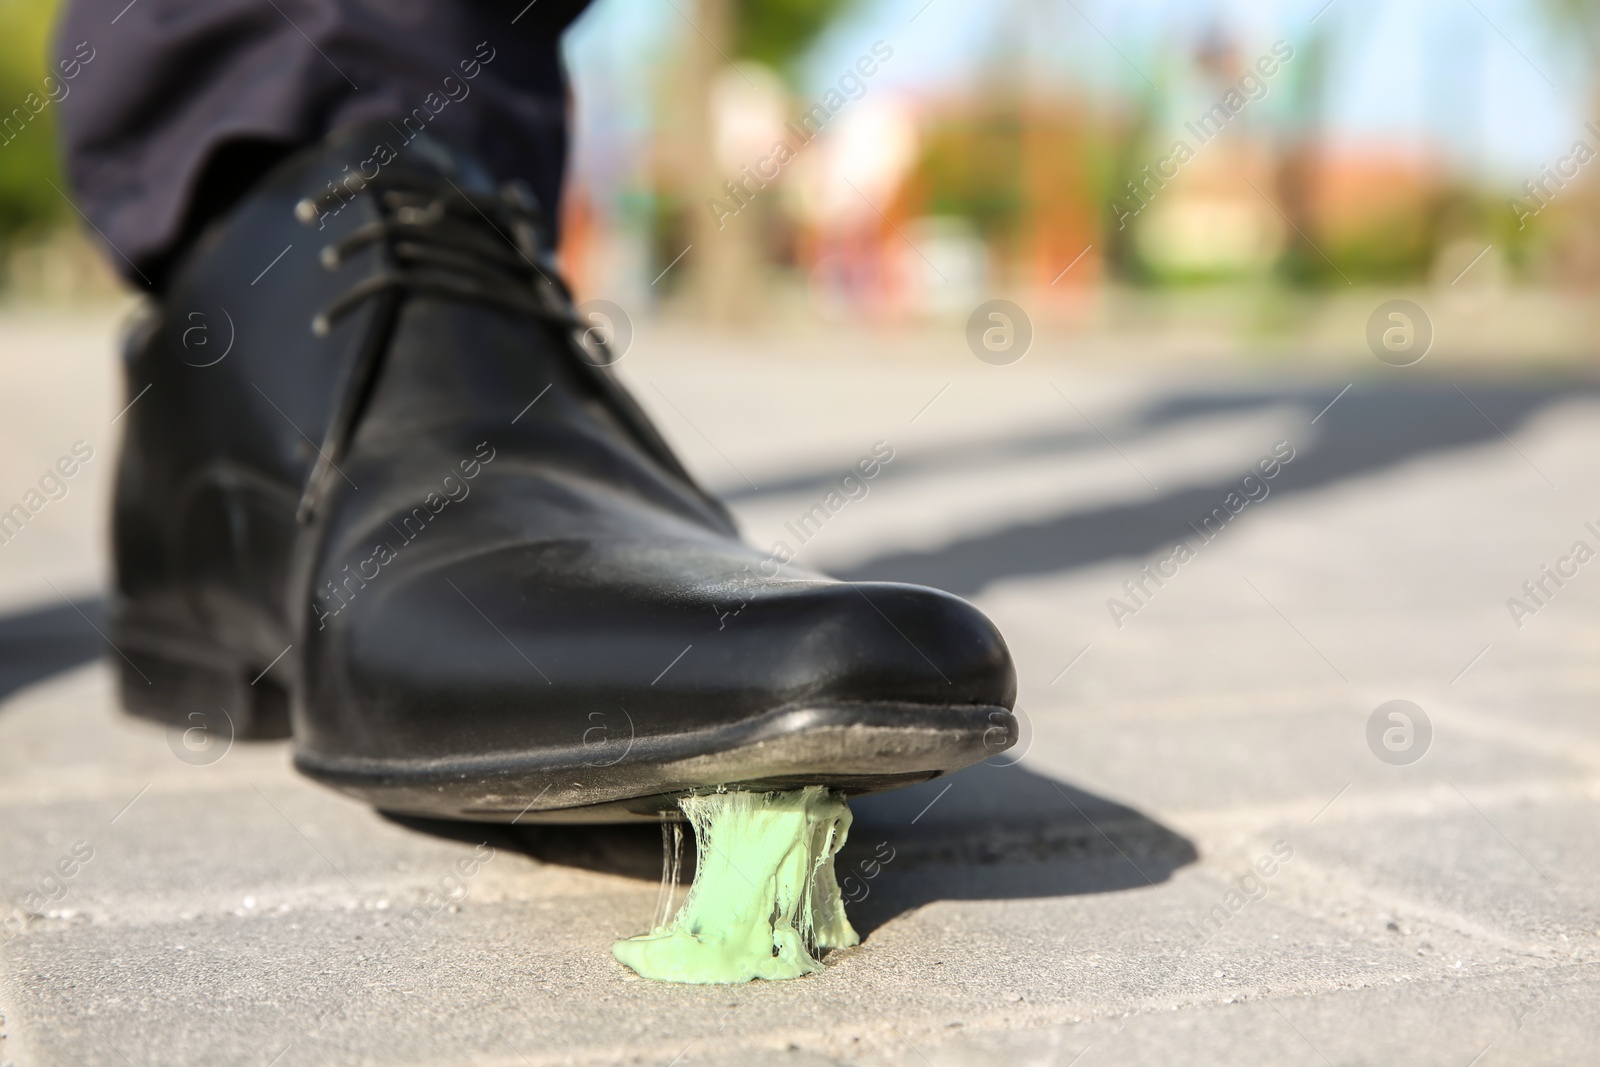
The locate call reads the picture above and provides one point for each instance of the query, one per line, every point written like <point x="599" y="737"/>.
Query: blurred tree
<point x="778" y="32"/>
<point x="1127" y="140"/>
<point x="1578" y="16"/>
<point x="1300" y="160"/>
<point x="725" y="262"/>
<point x="27" y="142"/>
<point x="971" y="166"/>
<point x="1578" y="19"/>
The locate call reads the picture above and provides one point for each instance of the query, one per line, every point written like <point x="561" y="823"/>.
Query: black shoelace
<point x="451" y="244"/>
<point x="445" y="242"/>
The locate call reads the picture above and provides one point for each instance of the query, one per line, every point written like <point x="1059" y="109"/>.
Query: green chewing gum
<point x="764" y="899"/>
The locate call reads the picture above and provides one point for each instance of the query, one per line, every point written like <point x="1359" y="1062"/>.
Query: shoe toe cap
<point x="894" y="643"/>
<point x="523" y="646"/>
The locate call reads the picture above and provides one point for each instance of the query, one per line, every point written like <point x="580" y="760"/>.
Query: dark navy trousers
<point x="177" y="107"/>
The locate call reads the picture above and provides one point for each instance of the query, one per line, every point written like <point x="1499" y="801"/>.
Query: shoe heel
<point x="170" y="686"/>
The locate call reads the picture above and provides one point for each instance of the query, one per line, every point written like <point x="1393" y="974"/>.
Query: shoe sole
<point x="856" y="748"/>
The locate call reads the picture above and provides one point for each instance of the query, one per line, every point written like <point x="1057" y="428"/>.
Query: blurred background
<point x="1116" y="169"/>
<point x="1068" y="155"/>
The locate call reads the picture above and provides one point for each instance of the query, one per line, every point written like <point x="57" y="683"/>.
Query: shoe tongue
<point x="365" y="145"/>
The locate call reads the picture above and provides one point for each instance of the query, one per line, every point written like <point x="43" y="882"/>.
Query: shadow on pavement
<point x="1369" y="429"/>
<point x="997" y="831"/>
<point x="990" y="832"/>
<point x="994" y="832"/>
<point x="1004" y="832"/>
<point x="43" y="641"/>
<point x="632" y="850"/>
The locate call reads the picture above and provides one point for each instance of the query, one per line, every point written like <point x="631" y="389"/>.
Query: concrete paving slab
<point x="1200" y="856"/>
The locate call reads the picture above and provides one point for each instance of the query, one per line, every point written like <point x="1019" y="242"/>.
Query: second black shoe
<point x="389" y="465"/>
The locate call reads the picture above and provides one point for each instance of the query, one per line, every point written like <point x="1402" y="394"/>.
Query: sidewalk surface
<point x="1209" y="852"/>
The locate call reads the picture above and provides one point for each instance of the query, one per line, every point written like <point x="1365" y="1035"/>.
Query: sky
<point x="1487" y="83"/>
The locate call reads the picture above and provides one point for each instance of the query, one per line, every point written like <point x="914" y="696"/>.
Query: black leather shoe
<point x="368" y="426"/>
